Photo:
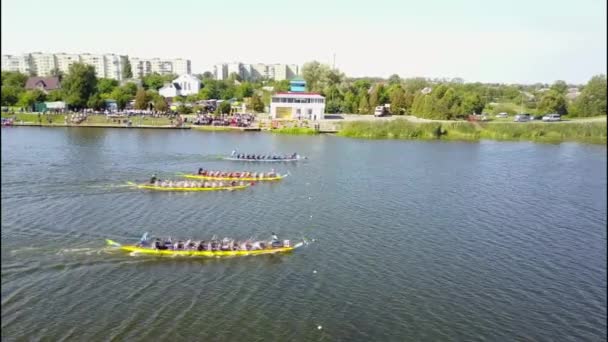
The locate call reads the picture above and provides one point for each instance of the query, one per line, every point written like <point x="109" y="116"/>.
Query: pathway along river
<point x="414" y="240"/>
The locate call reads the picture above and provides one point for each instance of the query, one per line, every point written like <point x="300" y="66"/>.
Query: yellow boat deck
<point x="248" y="179"/>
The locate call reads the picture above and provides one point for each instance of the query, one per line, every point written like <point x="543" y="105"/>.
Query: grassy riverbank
<point x="97" y="119"/>
<point x="295" y="131"/>
<point x="589" y="132"/>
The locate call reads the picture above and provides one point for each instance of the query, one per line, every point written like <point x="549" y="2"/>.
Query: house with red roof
<point x="45" y="84"/>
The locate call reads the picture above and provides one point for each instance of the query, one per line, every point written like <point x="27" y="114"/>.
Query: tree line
<point x="422" y="97"/>
<point x="450" y="98"/>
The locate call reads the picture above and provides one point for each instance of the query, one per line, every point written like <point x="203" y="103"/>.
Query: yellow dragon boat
<point x="178" y="188"/>
<point x="205" y="253"/>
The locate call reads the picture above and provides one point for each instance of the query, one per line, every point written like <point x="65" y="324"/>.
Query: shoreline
<point x="589" y="132"/>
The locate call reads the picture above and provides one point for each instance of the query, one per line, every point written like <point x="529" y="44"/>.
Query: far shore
<point x="587" y="130"/>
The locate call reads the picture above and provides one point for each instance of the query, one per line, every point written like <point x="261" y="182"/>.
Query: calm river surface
<point x="420" y="241"/>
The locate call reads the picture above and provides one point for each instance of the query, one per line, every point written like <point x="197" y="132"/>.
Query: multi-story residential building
<point x="97" y="61"/>
<point x="20" y="63"/>
<point x="182" y="66"/>
<point x="64" y="60"/>
<point x="140" y="67"/>
<point x="285" y="71"/>
<point x="114" y="66"/>
<point x="220" y="71"/>
<point x="235" y="68"/>
<point x="253" y="72"/>
<point x="106" y="65"/>
<point x="42" y="63"/>
<point x="259" y="71"/>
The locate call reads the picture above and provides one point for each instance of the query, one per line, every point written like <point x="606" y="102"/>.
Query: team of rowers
<point x="223" y="174"/>
<point x="192" y="184"/>
<point x="213" y="244"/>
<point x="263" y="157"/>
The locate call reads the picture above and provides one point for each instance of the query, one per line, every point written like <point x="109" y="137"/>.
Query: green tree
<point x="374" y="96"/>
<point x="30" y="97"/>
<point x="210" y="90"/>
<point x="398" y="101"/>
<point x="552" y="102"/>
<point x="141" y="99"/>
<point x="55" y="95"/>
<point x="96" y="102"/>
<point x="160" y="105"/>
<point x="256" y="103"/>
<point x="364" y="107"/>
<point x="153" y="81"/>
<point x="333" y="77"/>
<point x="281" y="85"/>
<point x="472" y="104"/>
<point x="127" y="73"/>
<point x="244" y="89"/>
<point x="10" y="95"/>
<point x="79" y="84"/>
<point x="314" y="73"/>
<point x="362" y="84"/>
<point x="207" y="75"/>
<point x="592" y="100"/>
<point x="560" y="87"/>
<point x="394" y="79"/>
<point x="193" y="98"/>
<point x="122" y="96"/>
<point x="14" y="79"/>
<point x="183" y="109"/>
<point x="106" y="85"/>
<point x="130" y="88"/>
<point x="224" y="108"/>
<point x="415" y="84"/>
<point x="350" y="103"/>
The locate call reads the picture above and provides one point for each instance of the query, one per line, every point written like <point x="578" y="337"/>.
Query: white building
<point x="42" y="63"/>
<point x="182" y="66"/>
<point x="189" y="84"/>
<point x="21" y="63"/>
<point x="253" y="72"/>
<point x="170" y="90"/>
<point x="220" y="71"/>
<point x="97" y="61"/>
<point x="64" y="60"/>
<point x="259" y="71"/>
<point x="114" y="66"/>
<point x="285" y="72"/>
<point x="145" y="66"/>
<point x="297" y="105"/>
<point x="184" y="85"/>
<point x="234" y="68"/>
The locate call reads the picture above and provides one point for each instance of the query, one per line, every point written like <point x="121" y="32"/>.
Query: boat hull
<point x="209" y="254"/>
<point x="159" y="188"/>
<point x="248" y="179"/>
<point x="263" y="160"/>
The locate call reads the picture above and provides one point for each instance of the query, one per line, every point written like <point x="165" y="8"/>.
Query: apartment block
<point x="253" y="72"/>
<point x="106" y="65"/>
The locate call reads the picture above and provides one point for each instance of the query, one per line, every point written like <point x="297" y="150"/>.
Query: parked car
<point x="552" y="117"/>
<point x="502" y="115"/>
<point x="523" y="117"/>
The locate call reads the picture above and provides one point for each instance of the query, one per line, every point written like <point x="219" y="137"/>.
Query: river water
<point x="420" y="241"/>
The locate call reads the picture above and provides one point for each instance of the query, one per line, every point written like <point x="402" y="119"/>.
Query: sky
<point x="515" y="41"/>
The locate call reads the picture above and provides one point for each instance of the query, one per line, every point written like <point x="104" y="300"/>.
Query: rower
<point x="153" y="179"/>
<point x="200" y="170"/>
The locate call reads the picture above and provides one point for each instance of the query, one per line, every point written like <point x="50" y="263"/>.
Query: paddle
<point x="113" y="243"/>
